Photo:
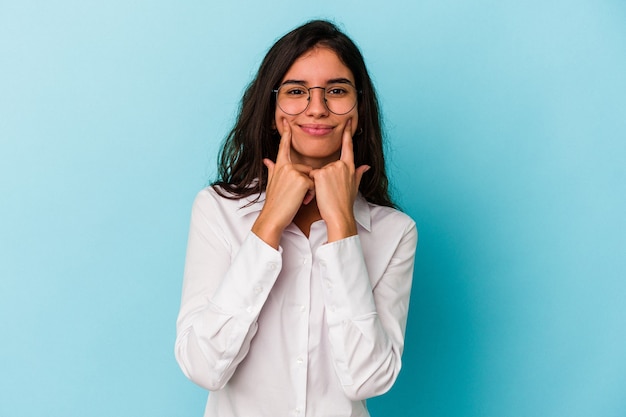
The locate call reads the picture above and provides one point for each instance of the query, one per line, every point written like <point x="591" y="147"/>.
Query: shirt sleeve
<point x="223" y="293"/>
<point x="367" y="322"/>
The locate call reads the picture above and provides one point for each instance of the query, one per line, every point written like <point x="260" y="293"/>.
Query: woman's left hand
<point x="336" y="188"/>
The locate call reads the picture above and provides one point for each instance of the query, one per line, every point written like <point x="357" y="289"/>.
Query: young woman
<point x="299" y="268"/>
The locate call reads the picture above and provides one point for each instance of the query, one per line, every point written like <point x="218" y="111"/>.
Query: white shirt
<point x="311" y="329"/>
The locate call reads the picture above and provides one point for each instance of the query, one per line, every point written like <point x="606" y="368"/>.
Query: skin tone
<point x="314" y="176"/>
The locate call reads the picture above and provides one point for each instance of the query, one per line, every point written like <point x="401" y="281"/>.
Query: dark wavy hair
<point x="241" y="172"/>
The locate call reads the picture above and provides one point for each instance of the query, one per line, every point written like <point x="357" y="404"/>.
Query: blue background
<point x="506" y="123"/>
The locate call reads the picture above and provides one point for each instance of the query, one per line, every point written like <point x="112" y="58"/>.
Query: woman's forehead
<point x="319" y="65"/>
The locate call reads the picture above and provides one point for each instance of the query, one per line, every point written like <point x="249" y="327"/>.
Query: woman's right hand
<point x="288" y="187"/>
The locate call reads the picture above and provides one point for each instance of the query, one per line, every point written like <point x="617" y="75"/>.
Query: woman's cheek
<point x="355" y="124"/>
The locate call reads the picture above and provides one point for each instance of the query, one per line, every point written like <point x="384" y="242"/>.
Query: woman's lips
<point x="316" y="130"/>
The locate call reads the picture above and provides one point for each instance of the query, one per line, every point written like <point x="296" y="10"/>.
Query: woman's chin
<point x="315" y="158"/>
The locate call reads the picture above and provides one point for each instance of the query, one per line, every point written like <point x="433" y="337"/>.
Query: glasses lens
<point x="294" y="99"/>
<point x="340" y="98"/>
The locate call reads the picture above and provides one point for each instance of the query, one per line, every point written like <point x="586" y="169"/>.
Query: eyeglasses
<point x="293" y="99"/>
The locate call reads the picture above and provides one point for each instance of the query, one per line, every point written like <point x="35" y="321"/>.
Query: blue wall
<point x="506" y="123"/>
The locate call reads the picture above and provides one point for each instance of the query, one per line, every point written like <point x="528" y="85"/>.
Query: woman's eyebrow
<point x="331" y="81"/>
<point x="340" y="81"/>
<point x="293" y="82"/>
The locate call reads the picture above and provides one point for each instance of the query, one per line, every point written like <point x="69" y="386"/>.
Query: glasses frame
<point x="275" y="91"/>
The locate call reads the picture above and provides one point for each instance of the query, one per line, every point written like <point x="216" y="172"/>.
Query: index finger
<point x="284" y="147"/>
<point x="347" y="148"/>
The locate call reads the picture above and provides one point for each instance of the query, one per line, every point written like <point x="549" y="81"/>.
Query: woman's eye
<point x="336" y="91"/>
<point x="296" y="91"/>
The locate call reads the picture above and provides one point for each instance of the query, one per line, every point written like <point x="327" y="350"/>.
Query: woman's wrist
<point x="341" y="229"/>
<point x="267" y="232"/>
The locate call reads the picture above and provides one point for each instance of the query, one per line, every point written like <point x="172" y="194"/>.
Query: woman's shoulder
<point x="212" y="195"/>
<point x="389" y="217"/>
<point x="215" y="197"/>
<point x="386" y="212"/>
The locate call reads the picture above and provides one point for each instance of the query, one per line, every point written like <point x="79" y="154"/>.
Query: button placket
<point x="302" y="306"/>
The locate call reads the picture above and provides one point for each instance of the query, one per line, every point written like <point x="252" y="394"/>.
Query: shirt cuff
<point x="345" y="281"/>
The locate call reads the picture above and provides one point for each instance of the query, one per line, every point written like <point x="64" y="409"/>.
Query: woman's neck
<point x="306" y="216"/>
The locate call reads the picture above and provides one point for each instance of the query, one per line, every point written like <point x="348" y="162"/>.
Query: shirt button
<point x="271" y="266"/>
<point x="300" y="361"/>
<point x="302" y="309"/>
<point x="258" y="290"/>
<point x="305" y="261"/>
<point x="249" y="309"/>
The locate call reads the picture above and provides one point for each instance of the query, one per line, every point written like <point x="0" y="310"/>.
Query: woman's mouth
<point x="316" y="129"/>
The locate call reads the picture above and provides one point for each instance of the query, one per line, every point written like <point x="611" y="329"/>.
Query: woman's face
<point x="316" y="132"/>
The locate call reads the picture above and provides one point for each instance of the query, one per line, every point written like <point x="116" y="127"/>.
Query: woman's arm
<point x="288" y="187"/>
<point x="225" y="285"/>
<point x="367" y="325"/>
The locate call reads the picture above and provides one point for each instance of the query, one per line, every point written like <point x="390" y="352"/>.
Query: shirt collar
<point x="361" y="208"/>
<point x="250" y="204"/>
<point x="362" y="212"/>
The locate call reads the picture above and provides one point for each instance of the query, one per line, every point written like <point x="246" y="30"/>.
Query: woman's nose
<point x="317" y="102"/>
